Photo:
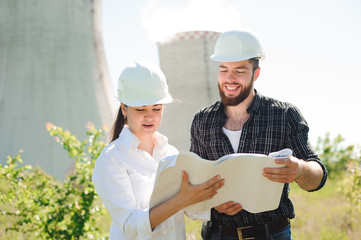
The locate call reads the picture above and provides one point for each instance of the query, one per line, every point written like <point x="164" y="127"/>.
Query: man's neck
<point x="238" y="115"/>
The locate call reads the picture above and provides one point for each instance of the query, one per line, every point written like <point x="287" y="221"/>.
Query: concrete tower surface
<point x="192" y="81"/>
<point x="52" y="69"/>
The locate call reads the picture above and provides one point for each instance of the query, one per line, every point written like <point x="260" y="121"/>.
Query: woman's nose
<point x="148" y="114"/>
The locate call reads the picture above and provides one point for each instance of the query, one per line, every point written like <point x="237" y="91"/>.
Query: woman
<point x="125" y="171"/>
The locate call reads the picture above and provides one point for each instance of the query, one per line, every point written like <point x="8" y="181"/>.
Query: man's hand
<point x="291" y="172"/>
<point x="229" y="208"/>
<point x="307" y="174"/>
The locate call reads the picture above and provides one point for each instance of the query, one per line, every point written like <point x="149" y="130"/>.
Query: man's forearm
<point x="311" y="175"/>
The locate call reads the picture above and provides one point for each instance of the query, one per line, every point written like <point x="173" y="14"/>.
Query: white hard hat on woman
<point x="142" y="84"/>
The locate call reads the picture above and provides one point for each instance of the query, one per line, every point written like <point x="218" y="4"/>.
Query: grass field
<point x="321" y="215"/>
<point x="324" y="215"/>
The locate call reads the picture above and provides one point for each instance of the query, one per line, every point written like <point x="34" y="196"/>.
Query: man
<point x="245" y="121"/>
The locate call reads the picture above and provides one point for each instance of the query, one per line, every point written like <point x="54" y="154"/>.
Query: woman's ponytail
<point x="118" y="125"/>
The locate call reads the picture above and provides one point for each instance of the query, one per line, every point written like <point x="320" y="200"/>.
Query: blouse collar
<point x="131" y="142"/>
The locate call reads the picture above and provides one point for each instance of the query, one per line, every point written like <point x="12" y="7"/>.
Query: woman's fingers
<point x="211" y="182"/>
<point x="209" y="191"/>
<point x="196" y="193"/>
<point x="216" y="186"/>
<point x="212" y="195"/>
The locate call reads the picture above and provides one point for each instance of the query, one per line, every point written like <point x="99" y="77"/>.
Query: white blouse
<point x="123" y="178"/>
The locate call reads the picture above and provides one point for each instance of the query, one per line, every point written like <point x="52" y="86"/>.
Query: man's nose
<point x="230" y="76"/>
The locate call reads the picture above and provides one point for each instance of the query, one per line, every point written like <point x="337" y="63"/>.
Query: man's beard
<point x="234" y="101"/>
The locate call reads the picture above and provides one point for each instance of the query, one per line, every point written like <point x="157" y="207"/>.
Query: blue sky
<point x="312" y="48"/>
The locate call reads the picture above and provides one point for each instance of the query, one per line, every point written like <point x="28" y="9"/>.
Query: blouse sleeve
<point x="204" y="216"/>
<point x="112" y="183"/>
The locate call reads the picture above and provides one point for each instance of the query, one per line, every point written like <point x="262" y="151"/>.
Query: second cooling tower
<point x="192" y="81"/>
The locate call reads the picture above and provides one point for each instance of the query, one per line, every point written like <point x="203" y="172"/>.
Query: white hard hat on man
<point x="234" y="46"/>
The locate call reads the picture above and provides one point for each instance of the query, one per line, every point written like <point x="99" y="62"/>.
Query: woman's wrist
<point x="179" y="202"/>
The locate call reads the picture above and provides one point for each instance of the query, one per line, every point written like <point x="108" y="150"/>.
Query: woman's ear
<point x="124" y="109"/>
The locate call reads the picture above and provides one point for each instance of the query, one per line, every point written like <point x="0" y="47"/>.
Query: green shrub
<point x="49" y="209"/>
<point x="334" y="154"/>
<point x="343" y="162"/>
<point x="351" y="183"/>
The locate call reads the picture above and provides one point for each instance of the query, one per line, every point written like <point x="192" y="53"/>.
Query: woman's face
<point x="143" y="120"/>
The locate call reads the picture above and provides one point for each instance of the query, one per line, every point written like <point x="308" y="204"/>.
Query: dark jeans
<point x="283" y="234"/>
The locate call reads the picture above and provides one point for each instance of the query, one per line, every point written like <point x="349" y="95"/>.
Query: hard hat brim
<point x="145" y="102"/>
<point x="233" y="58"/>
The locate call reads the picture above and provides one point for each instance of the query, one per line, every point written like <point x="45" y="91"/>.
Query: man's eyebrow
<point x="240" y="67"/>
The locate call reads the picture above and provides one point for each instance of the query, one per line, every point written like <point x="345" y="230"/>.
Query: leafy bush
<point x="343" y="161"/>
<point x="351" y="183"/>
<point x="47" y="208"/>
<point x="334" y="154"/>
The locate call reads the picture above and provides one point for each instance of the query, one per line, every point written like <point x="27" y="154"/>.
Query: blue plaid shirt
<point x="273" y="125"/>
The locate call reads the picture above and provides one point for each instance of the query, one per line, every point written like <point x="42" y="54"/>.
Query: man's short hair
<point x="254" y="62"/>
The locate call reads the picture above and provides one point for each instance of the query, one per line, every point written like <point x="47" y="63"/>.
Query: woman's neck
<point x="147" y="144"/>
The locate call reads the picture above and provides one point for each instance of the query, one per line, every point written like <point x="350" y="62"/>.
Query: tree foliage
<point x="343" y="161"/>
<point x="335" y="154"/>
<point x="351" y="183"/>
<point x="47" y="208"/>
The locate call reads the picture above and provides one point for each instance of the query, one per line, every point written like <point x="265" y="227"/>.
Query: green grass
<point x="320" y="215"/>
<point x="325" y="214"/>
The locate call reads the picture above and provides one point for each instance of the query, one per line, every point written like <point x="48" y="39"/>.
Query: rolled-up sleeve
<point x="297" y="130"/>
<point x="113" y="185"/>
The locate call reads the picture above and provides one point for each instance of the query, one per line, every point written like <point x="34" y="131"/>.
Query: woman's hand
<point x="190" y="194"/>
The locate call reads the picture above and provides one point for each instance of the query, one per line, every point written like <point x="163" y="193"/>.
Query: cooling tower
<point x="52" y="69"/>
<point x="192" y="81"/>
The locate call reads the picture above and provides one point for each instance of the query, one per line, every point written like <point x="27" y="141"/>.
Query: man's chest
<point x="258" y="136"/>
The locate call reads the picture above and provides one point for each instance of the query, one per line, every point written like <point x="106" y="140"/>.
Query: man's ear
<point x="256" y="73"/>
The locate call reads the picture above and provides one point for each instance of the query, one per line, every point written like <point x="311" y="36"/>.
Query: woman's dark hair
<point x="118" y="125"/>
